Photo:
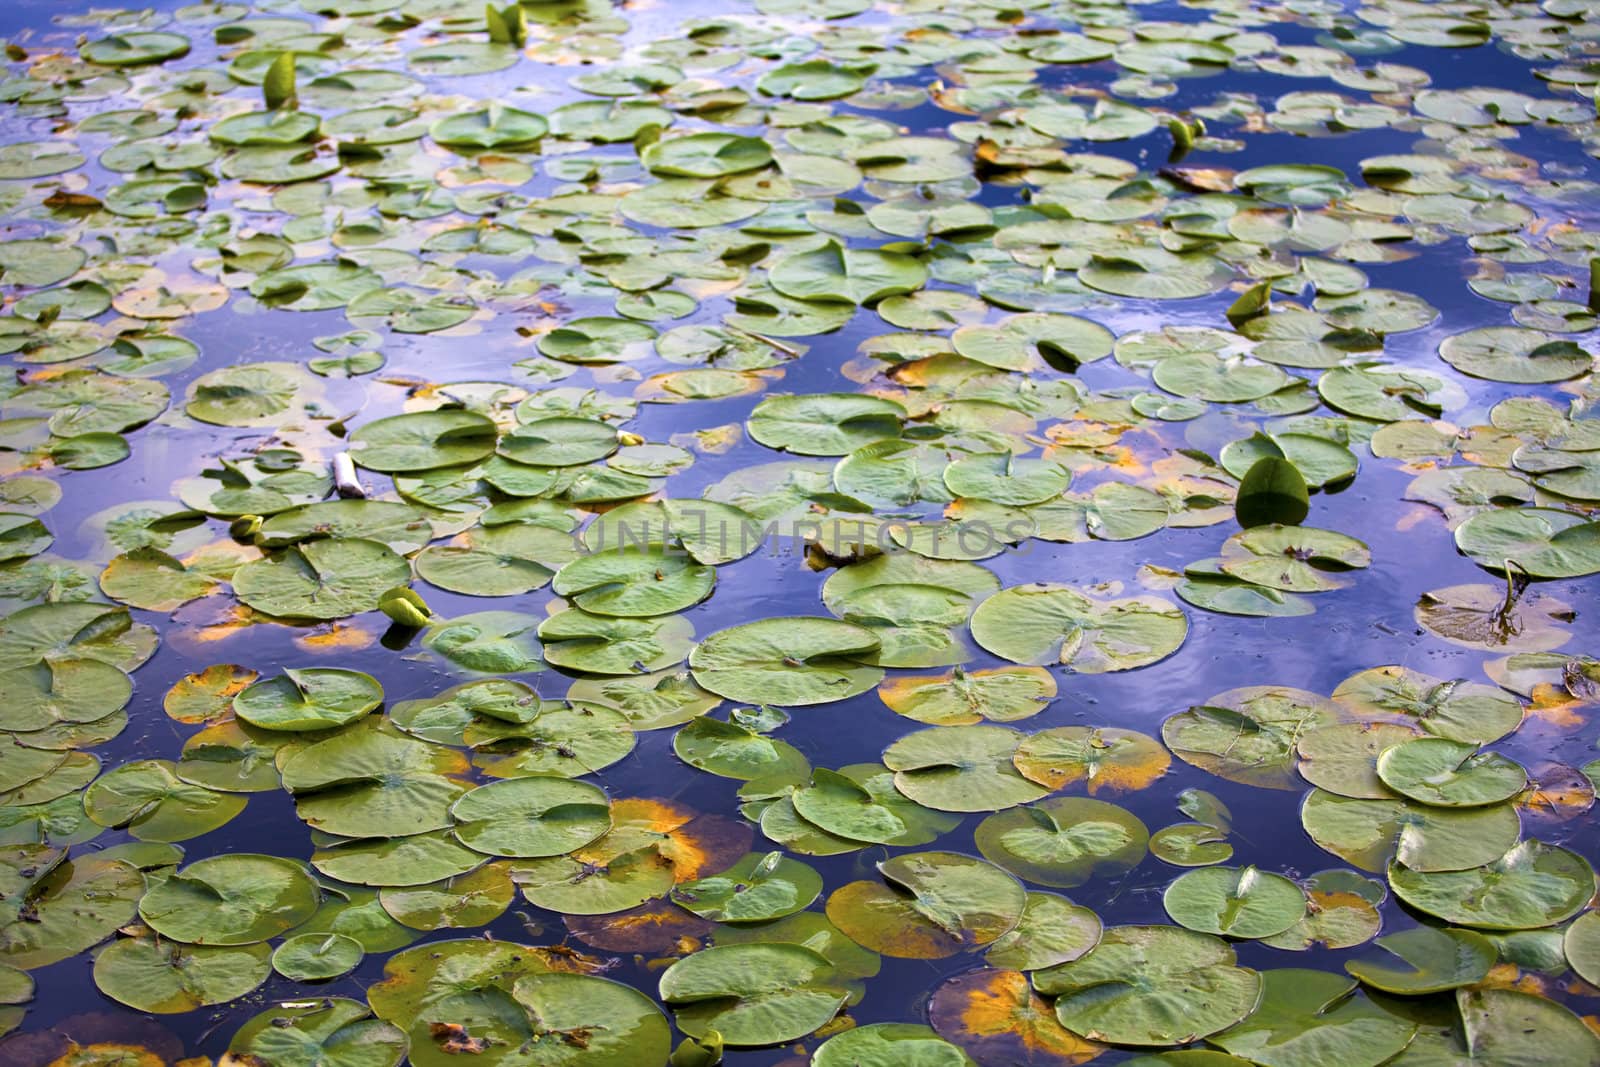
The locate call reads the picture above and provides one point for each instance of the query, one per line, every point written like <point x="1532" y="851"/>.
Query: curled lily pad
<point x="1063" y="841"/>
<point x="929" y="905"/>
<point x="308" y="698"/>
<point x="1151" y="985"/>
<point x="1045" y="623"/>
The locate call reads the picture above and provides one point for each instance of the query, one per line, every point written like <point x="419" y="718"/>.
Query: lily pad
<point x="1152" y="985"/>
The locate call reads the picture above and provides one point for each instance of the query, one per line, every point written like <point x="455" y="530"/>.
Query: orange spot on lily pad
<point x="997" y="1018"/>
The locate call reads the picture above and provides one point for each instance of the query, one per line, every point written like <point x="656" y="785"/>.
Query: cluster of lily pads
<point x="405" y="314"/>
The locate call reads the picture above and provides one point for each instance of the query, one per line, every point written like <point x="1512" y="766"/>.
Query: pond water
<point x="1148" y="448"/>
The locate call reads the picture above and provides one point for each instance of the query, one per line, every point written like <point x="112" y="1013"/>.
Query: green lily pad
<point x="1455" y="709"/>
<point x="149" y="800"/>
<point x="862" y="803"/>
<point x="1582" y="946"/>
<point x="251" y="394"/>
<point x="493" y="642"/>
<point x="1514" y="354"/>
<point x="1249" y="735"/>
<point x="1293" y="559"/>
<point x="1151" y="985"/>
<point x="72" y="905"/>
<point x="634" y="583"/>
<point x="43" y="694"/>
<point x="1493" y="1025"/>
<point x="889" y="1044"/>
<point x="165" y="978"/>
<point x="373" y="781"/>
<point x="1366" y="833"/>
<point x="1532" y="885"/>
<point x="1540" y="542"/>
<point x="321" y="579"/>
<point x="1307" y="1017"/>
<point x="757" y="888"/>
<point x="475" y="898"/>
<point x="600" y="644"/>
<point x="752" y="994"/>
<point x="316" y="958"/>
<point x="961" y="768"/>
<point x="1451" y="774"/>
<point x="1343" y="758"/>
<point x="1238" y="902"/>
<point x="423" y="440"/>
<point x="531" y="817"/>
<point x="929" y="905"/>
<point x="308" y="698"/>
<point x="824" y="424"/>
<point x="1426" y="960"/>
<point x="232" y="899"/>
<point x="334" y="1032"/>
<point x="787" y="661"/>
<point x="1044" y="623"/>
<point x="1064" y="841"/>
<point x="735" y="750"/>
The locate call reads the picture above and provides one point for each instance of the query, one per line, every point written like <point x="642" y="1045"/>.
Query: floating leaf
<point x="1151" y="985"/>
<point x="752" y="994"/>
<point x="930" y="905"/>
